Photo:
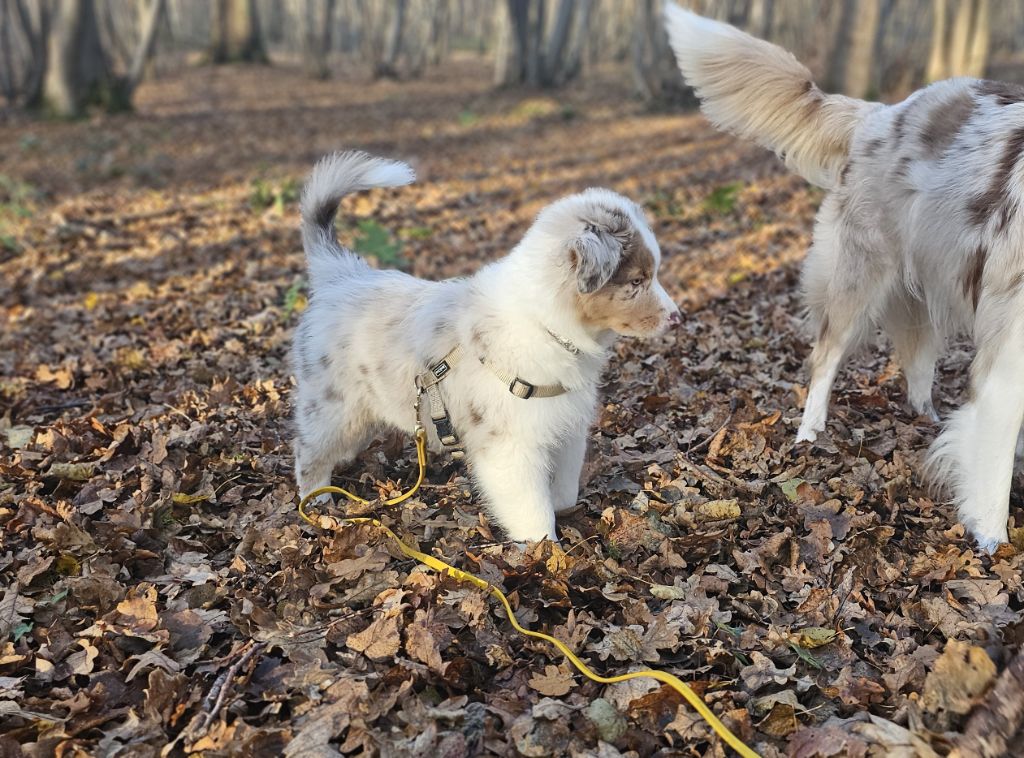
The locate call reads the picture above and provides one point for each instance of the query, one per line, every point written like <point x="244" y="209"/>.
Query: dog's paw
<point x="991" y="543"/>
<point x="925" y="409"/>
<point x="806" y="434"/>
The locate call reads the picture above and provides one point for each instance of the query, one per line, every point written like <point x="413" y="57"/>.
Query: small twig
<point x="219" y="691"/>
<point x="707" y="441"/>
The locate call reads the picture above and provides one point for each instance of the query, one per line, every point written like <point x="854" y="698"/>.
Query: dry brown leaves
<point x="160" y="595"/>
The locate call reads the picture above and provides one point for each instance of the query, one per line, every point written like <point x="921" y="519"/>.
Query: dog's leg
<point x="323" y="444"/>
<point x="845" y="284"/>
<point x="568" y="465"/>
<point x="517" y="485"/>
<point x="917" y="345"/>
<point x="975" y="452"/>
<point x="828" y="353"/>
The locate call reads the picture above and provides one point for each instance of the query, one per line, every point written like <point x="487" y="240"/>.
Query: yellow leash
<point x="332" y="523"/>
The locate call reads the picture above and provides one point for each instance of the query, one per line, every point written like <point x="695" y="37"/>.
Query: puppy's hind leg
<point x="324" y="441"/>
<point x="975" y="452"/>
<point x="917" y="345"/>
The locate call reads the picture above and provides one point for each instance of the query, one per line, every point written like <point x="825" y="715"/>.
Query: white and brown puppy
<point x="921" y="233"/>
<point x="546" y="314"/>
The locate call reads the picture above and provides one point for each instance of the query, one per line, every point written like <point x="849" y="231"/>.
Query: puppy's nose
<point x="675" y="318"/>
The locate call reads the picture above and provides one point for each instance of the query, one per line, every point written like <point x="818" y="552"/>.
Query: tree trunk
<point x="963" y="49"/>
<point x="937" y="57"/>
<point x="655" y="72"/>
<point x="554" y="53"/>
<point x="387" y="66"/>
<point x="513" y="33"/>
<point x="150" y="24"/>
<point x="572" y="62"/>
<point x="977" y="58"/>
<point x="854" y="52"/>
<point x="315" y="17"/>
<point x="77" y="70"/>
<point x="235" y="32"/>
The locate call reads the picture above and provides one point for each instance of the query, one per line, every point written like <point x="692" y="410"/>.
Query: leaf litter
<point x="160" y="596"/>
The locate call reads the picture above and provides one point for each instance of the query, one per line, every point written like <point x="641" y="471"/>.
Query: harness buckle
<point x="521" y="389"/>
<point x="445" y="430"/>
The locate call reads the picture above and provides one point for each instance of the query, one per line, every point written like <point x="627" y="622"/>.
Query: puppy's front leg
<point x="568" y="464"/>
<point x="515" y="480"/>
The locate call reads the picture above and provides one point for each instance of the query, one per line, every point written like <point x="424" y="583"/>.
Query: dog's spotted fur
<point x="586" y="270"/>
<point x="921" y="233"/>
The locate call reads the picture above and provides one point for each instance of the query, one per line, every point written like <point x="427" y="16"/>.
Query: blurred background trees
<point x="64" y="56"/>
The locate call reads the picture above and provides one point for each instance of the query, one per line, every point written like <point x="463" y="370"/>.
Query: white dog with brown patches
<point x="920" y="234"/>
<point x="533" y="331"/>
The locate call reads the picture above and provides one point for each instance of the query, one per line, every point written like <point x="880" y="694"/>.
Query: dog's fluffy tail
<point x="333" y="177"/>
<point x="760" y="92"/>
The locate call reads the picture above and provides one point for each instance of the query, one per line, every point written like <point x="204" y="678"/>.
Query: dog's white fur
<point x="585" y="270"/>
<point x="920" y="234"/>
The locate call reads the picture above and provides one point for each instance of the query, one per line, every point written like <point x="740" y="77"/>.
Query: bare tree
<point x="235" y="32"/>
<point x="23" y="36"/>
<point x="387" y="64"/>
<point x="961" y="49"/>
<point x="655" y="73"/>
<point x="80" y="68"/>
<point x="315" y="18"/>
<point x="850" y="71"/>
<point x="528" y="54"/>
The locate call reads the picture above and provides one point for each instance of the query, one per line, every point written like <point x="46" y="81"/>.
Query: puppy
<point x="920" y="233"/>
<point x="533" y="331"/>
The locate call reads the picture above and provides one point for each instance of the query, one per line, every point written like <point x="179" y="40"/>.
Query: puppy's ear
<point x="595" y="256"/>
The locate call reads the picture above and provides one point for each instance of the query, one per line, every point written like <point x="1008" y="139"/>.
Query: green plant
<point x="375" y="240"/>
<point x="16" y="197"/>
<point x="295" y="298"/>
<point x="265" y="194"/>
<point x="467" y="118"/>
<point x="723" y="199"/>
<point x="418" y="232"/>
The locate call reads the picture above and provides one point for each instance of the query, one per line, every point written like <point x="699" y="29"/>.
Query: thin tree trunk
<point x="150" y="24"/>
<point x="535" y="43"/>
<point x="236" y="32"/>
<point x="513" y="32"/>
<point x="77" y="67"/>
<point x="977" y="59"/>
<point x="937" y="65"/>
<point x="853" y="55"/>
<point x="556" y="47"/>
<point x="960" y="39"/>
<point x="387" y="66"/>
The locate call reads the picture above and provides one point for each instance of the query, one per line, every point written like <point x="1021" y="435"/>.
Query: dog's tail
<point x="760" y="92"/>
<point x="333" y="177"/>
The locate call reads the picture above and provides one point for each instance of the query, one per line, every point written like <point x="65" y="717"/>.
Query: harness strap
<point x="521" y="388"/>
<point x="429" y="383"/>
<point x="430" y="380"/>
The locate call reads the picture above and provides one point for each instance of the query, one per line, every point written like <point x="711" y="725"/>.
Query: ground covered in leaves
<point x="160" y="595"/>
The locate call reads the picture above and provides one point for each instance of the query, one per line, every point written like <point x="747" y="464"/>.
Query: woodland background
<point x="159" y="595"/>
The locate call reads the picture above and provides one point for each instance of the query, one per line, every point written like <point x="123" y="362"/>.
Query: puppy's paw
<point x="806" y="434"/>
<point x="990" y="543"/>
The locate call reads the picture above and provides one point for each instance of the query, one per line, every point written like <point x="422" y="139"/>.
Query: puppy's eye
<point x="638" y="282"/>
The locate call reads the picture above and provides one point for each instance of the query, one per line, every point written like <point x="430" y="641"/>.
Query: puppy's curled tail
<point x="333" y="177"/>
<point x="758" y="91"/>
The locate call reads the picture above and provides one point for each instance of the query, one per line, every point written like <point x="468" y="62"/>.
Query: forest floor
<point x="159" y="594"/>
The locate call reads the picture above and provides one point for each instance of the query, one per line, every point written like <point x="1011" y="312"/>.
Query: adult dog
<point x="920" y="233"/>
<point x="509" y="358"/>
